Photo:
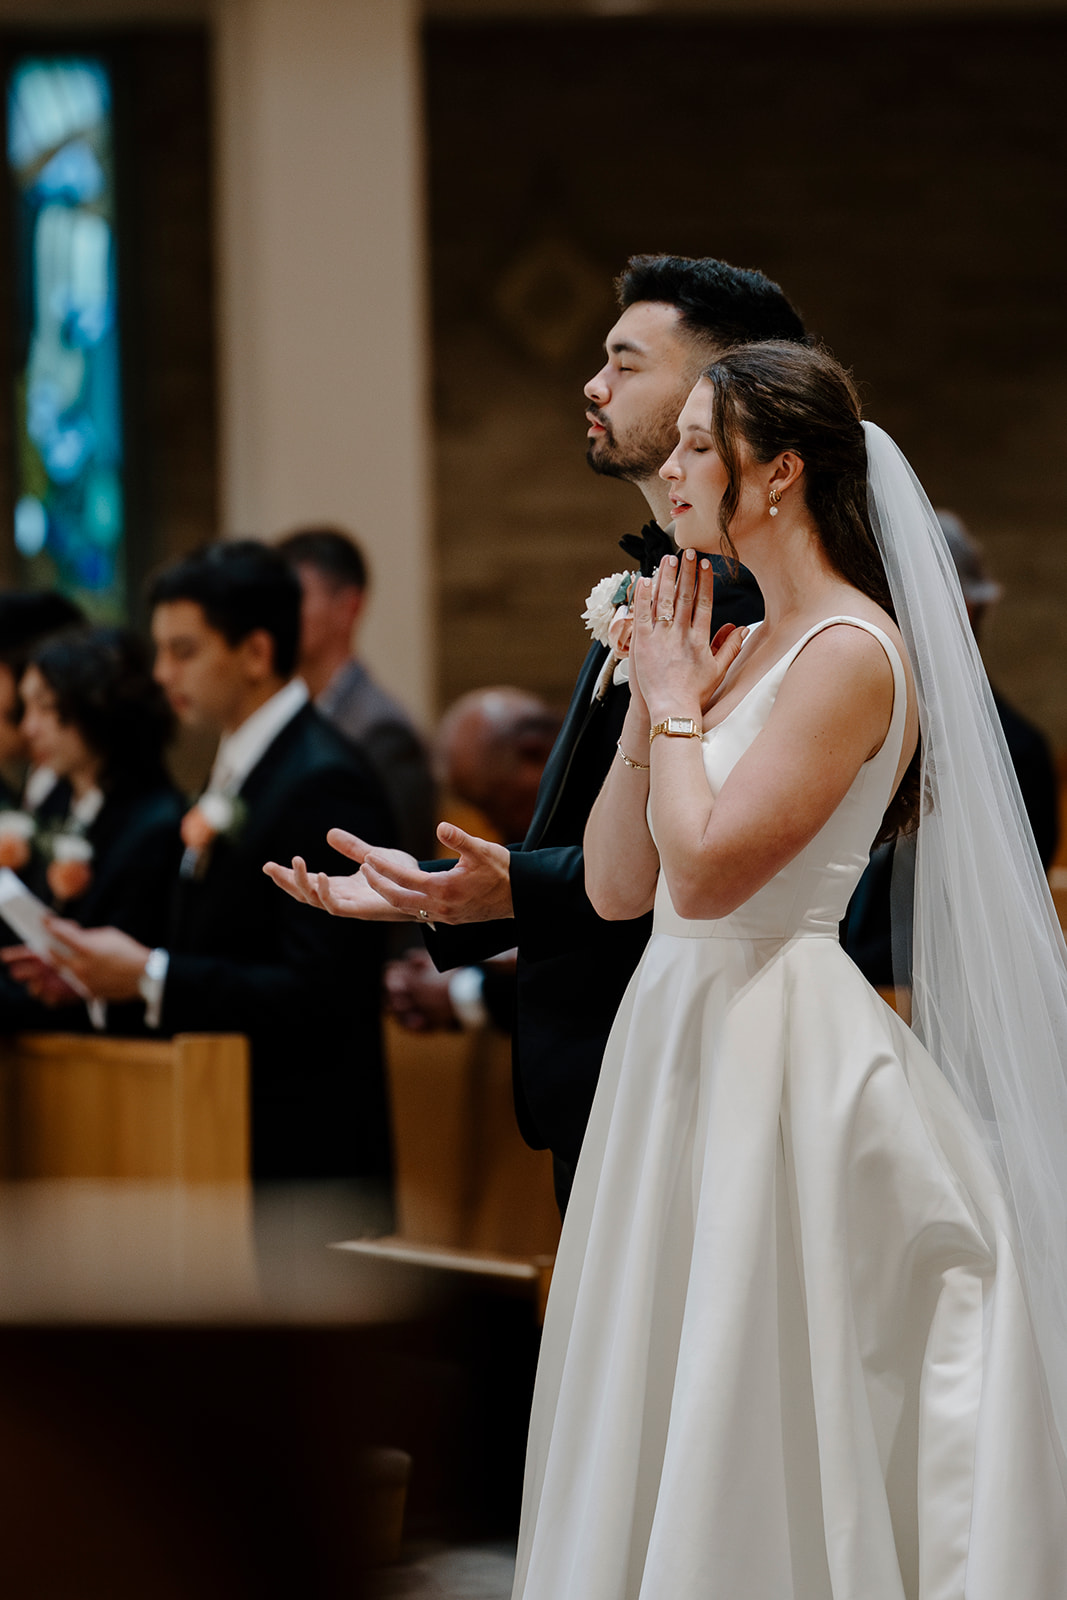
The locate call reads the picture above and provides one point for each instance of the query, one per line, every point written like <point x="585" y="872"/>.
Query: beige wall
<point x="323" y="343"/>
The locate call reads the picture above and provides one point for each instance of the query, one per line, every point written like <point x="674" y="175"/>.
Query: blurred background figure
<point x="25" y="620"/>
<point x="1027" y="745"/>
<point x="489" y="754"/>
<point x="234" y="956"/>
<point x="334" y="581"/>
<point x="867" y="928"/>
<point x="490" y="751"/>
<point x="105" y="843"/>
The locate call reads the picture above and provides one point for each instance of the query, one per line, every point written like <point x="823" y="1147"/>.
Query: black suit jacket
<point x="573" y="967"/>
<point x="136" y="850"/>
<point x="304" y="987"/>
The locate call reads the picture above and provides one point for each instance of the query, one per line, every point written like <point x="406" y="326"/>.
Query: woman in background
<point x="26" y="620"/>
<point x="106" y="844"/>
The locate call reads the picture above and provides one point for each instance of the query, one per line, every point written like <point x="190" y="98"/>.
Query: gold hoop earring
<point x="775" y="497"/>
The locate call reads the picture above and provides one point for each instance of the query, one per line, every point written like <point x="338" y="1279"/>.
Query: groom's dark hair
<point x="719" y="304"/>
<point x="240" y="585"/>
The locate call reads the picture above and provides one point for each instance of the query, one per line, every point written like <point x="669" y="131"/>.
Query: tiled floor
<point x="448" y="1572"/>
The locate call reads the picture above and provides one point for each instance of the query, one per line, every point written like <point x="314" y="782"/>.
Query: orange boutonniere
<point x="17" y="829"/>
<point x="212" y="815"/>
<point x="70" y="870"/>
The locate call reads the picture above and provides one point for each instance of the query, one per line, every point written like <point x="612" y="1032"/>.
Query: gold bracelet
<point x="638" y="766"/>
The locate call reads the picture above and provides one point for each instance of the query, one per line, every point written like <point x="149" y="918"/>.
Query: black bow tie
<point x="650" y="546"/>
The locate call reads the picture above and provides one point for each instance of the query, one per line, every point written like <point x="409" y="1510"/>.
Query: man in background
<point x="334" y="583"/>
<point x="303" y="988"/>
<point x="1027" y="745"/>
<point x="876" y="930"/>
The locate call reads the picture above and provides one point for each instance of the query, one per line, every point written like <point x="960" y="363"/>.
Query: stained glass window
<point x="69" y="499"/>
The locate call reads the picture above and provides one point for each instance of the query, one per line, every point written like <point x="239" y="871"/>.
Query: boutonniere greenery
<point x="17" y="832"/>
<point x="63" y="845"/>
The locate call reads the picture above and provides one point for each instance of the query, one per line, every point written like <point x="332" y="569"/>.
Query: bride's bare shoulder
<point x="842" y="652"/>
<point x="842" y="641"/>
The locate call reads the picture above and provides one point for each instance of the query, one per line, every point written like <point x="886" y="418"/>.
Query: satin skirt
<point x="788" y="1353"/>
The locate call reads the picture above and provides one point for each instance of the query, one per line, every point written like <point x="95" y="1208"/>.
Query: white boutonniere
<point x="607" y="611"/>
<point x="17" y="831"/>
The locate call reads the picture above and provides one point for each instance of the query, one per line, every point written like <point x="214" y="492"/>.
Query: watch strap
<point x="676" y="728"/>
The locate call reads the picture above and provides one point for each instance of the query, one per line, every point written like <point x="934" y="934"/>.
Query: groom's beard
<point x="641" y="454"/>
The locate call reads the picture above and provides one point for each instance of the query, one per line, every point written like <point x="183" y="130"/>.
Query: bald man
<point x="490" y="751"/>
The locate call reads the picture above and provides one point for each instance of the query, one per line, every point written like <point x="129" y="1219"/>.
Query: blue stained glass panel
<point x="69" y="516"/>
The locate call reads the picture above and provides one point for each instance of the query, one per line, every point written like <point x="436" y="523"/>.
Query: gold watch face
<point x="683" y="725"/>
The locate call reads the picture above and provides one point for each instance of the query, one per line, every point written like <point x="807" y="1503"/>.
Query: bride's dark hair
<point x="776" y="397"/>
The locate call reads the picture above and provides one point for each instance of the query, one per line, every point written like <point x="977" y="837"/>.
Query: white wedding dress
<point x="788" y="1354"/>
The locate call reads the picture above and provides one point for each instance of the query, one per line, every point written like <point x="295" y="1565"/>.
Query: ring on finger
<point x="424" y="916"/>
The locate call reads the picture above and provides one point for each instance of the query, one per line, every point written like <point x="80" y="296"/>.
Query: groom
<point x="677" y="314"/>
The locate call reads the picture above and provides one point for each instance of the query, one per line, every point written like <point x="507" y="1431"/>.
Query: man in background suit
<point x="334" y="583"/>
<point x="876" y="928"/>
<point x="676" y="315"/>
<point x="303" y="988"/>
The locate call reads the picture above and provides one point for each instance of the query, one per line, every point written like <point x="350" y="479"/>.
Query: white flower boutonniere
<point x="605" y="601"/>
<point x="17" y="829"/>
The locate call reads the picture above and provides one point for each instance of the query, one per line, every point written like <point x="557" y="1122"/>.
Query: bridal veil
<point x="989" y="961"/>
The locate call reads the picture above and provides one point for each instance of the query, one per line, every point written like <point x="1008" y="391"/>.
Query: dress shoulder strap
<point x="894" y="739"/>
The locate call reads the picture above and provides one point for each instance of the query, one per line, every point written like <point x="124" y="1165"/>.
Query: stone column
<point x="322" y="320"/>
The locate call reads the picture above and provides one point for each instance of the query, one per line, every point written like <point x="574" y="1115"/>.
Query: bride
<point x="805" y="1334"/>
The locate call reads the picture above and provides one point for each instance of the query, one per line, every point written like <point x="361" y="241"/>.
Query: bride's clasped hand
<point x="676" y="667"/>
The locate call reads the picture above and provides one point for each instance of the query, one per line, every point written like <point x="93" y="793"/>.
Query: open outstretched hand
<point x="390" y="886"/>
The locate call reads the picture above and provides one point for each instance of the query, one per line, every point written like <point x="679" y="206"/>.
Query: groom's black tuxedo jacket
<point x="573" y="967"/>
<point x="304" y="987"/>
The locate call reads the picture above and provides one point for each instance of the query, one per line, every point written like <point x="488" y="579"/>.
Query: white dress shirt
<point x="245" y="747"/>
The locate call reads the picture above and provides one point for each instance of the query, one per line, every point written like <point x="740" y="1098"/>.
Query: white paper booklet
<point x="22" y="911"/>
<point x="26" y="914"/>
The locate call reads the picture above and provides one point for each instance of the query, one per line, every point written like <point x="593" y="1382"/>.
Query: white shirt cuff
<point x="465" y="990"/>
<point x="151" y="984"/>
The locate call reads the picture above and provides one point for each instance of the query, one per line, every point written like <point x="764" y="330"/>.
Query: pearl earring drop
<point x="775" y="497"/>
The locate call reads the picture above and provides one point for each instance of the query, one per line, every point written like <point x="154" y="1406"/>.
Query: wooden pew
<point x="472" y="1198"/>
<point x="78" y="1106"/>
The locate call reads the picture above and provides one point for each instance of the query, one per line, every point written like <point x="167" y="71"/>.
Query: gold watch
<point x="677" y="728"/>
